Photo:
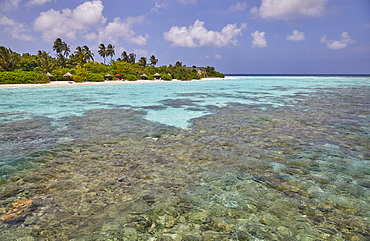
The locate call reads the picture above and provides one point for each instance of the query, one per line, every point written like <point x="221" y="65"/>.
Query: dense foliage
<point x="27" y="68"/>
<point x="23" y="77"/>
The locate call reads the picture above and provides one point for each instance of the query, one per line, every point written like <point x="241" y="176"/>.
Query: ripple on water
<point x="242" y="173"/>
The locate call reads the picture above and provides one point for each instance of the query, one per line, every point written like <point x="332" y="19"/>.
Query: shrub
<point x="166" y="76"/>
<point x="23" y="77"/>
<point x="131" y="77"/>
<point x="81" y="75"/>
<point x="93" y="77"/>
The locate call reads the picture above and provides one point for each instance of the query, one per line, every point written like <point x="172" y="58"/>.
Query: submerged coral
<point x="294" y="172"/>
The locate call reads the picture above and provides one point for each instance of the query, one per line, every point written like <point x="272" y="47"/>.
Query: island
<point x="79" y="67"/>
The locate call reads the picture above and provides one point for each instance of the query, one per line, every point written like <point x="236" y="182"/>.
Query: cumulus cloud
<point x="37" y="2"/>
<point x="197" y="35"/>
<point x="15" y="30"/>
<point x="259" y="39"/>
<point x="296" y="36"/>
<point x="69" y="23"/>
<point x="287" y="9"/>
<point x="344" y="41"/>
<point x="8" y="5"/>
<point x="238" y="7"/>
<point x="122" y="29"/>
<point x="188" y="2"/>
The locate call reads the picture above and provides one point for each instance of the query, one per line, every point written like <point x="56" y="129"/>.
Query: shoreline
<point x="108" y="82"/>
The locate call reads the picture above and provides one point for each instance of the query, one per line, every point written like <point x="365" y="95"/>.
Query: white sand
<point x="71" y="83"/>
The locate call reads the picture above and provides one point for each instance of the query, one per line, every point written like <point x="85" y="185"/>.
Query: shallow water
<point x="277" y="158"/>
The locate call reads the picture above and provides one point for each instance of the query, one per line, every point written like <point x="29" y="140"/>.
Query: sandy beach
<point x="109" y="82"/>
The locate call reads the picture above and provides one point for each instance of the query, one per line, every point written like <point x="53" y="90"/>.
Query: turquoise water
<point x="172" y="103"/>
<point x="244" y="158"/>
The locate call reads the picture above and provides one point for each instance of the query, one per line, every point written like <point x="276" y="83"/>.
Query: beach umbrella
<point x="108" y="75"/>
<point x="49" y="75"/>
<point x="67" y="74"/>
<point x="117" y="75"/>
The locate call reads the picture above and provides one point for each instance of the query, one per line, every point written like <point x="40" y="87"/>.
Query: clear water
<point x="245" y="158"/>
<point x="59" y="102"/>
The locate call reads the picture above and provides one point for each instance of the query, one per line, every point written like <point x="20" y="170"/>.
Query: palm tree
<point x="83" y="54"/>
<point x="124" y="56"/>
<point x="46" y="63"/>
<point x="66" y="49"/>
<point x="110" y="51"/>
<point x="87" y="53"/>
<point x="9" y="60"/>
<point x="79" y="55"/>
<point x="62" y="50"/>
<point x="42" y="53"/>
<point x="58" y="45"/>
<point x="102" y="51"/>
<point x="142" y="62"/>
<point x="131" y="58"/>
<point x="153" y="60"/>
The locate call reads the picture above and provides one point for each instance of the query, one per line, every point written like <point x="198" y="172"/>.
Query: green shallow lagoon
<point x="298" y="171"/>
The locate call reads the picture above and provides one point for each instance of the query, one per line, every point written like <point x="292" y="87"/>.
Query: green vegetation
<point x="27" y="69"/>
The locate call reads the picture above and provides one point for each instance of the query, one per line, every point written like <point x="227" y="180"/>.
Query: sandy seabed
<point x="108" y="82"/>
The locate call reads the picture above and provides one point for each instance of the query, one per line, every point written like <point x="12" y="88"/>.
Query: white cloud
<point x="197" y="35"/>
<point x="15" y="30"/>
<point x="121" y="29"/>
<point x="296" y="36"/>
<point x="337" y="44"/>
<point x="238" y="7"/>
<point x="188" y="2"/>
<point x="70" y="23"/>
<point x="37" y="2"/>
<point x="90" y="36"/>
<point x="8" y="5"/>
<point x="287" y="9"/>
<point x="157" y="7"/>
<point x="259" y="39"/>
<point x="217" y="56"/>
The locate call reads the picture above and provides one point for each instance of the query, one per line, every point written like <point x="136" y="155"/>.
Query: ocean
<point x="242" y="158"/>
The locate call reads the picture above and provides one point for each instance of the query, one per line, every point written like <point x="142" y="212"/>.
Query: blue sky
<point x="235" y="36"/>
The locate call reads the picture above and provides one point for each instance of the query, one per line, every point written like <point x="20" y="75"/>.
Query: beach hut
<point x="144" y="76"/>
<point x="157" y="76"/>
<point x="68" y="76"/>
<point x="108" y="76"/>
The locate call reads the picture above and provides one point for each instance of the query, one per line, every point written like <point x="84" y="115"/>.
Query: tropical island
<point x="79" y="66"/>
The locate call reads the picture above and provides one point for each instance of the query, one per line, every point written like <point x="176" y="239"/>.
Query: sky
<point x="234" y="36"/>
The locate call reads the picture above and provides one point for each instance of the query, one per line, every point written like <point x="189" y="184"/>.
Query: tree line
<point x="82" y="66"/>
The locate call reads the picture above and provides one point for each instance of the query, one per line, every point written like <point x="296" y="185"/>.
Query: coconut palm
<point x="58" y="45"/>
<point x="9" y="60"/>
<point x="61" y="47"/>
<point x="153" y="60"/>
<point x="46" y="63"/>
<point x="110" y="51"/>
<point x="131" y="58"/>
<point x="83" y="54"/>
<point x="62" y="50"/>
<point x="124" y="57"/>
<point x="87" y="53"/>
<point x="142" y="62"/>
<point x="102" y="51"/>
<point x="78" y="55"/>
